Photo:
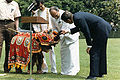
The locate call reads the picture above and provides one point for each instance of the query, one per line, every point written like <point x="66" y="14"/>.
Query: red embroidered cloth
<point x="20" y="47"/>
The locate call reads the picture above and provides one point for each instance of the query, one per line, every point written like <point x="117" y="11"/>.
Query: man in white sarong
<point x="44" y="13"/>
<point x="69" y="44"/>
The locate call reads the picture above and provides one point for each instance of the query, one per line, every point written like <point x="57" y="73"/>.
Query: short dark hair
<point x="66" y="15"/>
<point x="8" y="1"/>
<point x="40" y="1"/>
<point x="54" y="8"/>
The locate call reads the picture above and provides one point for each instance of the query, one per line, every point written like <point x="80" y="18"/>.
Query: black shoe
<point x="44" y="72"/>
<point x="100" y="76"/>
<point x="91" y="78"/>
<point x="6" y="71"/>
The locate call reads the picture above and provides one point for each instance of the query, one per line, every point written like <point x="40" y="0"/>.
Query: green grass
<point x="113" y="58"/>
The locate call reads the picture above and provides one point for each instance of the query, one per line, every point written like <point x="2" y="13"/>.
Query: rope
<point x="13" y="30"/>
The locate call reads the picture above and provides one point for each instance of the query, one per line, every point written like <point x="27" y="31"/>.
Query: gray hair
<point x="54" y="8"/>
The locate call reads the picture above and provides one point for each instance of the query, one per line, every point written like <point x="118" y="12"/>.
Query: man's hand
<point x="88" y="50"/>
<point x="64" y="32"/>
<point x="33" y="12"/>
<point x="45" y="31"/>
<point x="36" y="31"/>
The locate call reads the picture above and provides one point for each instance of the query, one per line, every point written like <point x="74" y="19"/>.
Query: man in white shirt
<point x="9" y="18"/>
<point x="69" y="44"/>
<point x="44" y="13"/>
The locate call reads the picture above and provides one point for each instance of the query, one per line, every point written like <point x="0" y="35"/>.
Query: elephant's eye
<point x="44" y="37"/>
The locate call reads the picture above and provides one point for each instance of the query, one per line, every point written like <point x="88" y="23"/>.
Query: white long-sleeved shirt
<point x="46" y="15"/>
<point x="59" y="24"/>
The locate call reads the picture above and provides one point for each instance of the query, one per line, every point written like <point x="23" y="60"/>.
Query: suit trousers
<point x="6" y="35"/>
<point x="98" y="61"/>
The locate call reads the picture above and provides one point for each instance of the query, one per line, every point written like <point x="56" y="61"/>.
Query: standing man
<point x="69" y="44"/>
<point x="96" y="31"/>
<point x="44" y="13"/>
<point x="9" y="18"/>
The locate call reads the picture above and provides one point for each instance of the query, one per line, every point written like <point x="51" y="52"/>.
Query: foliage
<point x="23" y="4"/>
<point x="107" y="9"/>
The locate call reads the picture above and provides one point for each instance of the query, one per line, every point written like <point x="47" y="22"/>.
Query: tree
<point x="107" y="9"/>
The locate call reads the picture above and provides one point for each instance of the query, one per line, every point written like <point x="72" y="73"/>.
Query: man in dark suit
<point x="96" y="31"/>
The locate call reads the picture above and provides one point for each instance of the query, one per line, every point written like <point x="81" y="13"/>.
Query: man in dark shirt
<point x="96" y="31"/>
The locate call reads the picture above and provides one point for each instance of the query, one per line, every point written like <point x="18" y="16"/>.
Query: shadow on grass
<point x="67" y="76"/>
<point x="58" y="76"/>
<point x="48" y="75"/>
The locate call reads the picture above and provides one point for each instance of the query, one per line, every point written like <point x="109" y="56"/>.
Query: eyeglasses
<point x="56" y="15"/>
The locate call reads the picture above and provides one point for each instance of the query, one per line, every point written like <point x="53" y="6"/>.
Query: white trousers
<point x="52" y="59"/>
<point x="70" y="64"/>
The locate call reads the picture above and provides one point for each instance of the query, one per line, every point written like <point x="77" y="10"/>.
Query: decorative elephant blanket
<point x="19" y="54"/>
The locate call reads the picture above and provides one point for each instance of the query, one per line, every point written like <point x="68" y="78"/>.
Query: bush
<point x="109" y="10"/>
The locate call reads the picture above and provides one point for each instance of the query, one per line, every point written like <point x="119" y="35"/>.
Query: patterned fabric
<point x="19" y="54"/>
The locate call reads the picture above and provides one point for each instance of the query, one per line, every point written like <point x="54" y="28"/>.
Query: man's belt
<point x="6" y="21"/>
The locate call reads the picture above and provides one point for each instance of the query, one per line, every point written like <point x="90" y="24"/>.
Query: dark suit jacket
<point x="91" y="25"/>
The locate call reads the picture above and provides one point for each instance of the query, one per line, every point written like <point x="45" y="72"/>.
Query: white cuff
<point x="89" y="46"/>
<point x="69" y="31"/>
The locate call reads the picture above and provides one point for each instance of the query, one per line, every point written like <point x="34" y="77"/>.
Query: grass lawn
<point x="113" y="58"/>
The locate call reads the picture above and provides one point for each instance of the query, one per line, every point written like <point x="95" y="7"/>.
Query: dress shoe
<point x="6" y="71"/>
<point x="44" y="72"/>
<point x="39" y="72"/>
<point x="91" y="78"/>
<point x="54" y="72"/>
<point x="29" y="71"/>
<point x="100" y="76"/>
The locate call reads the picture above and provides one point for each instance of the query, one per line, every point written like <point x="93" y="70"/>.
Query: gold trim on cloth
<point x="47" y="19"/>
